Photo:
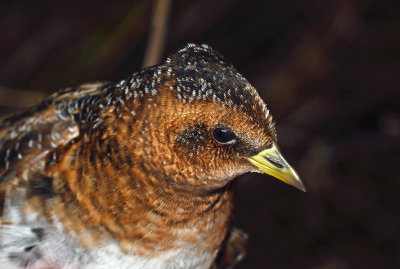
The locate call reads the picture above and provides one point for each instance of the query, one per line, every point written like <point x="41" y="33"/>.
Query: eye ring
<point x="223" y="135"/>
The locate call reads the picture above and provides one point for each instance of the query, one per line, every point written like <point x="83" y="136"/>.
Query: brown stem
<point x="158" y="31"/>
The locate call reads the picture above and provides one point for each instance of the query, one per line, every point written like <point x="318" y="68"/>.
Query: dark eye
<point x="223" y="135"/>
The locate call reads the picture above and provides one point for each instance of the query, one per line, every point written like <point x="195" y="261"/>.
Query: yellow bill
<point x="271" y="162"/>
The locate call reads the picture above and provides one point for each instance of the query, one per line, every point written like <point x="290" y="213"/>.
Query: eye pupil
<point x="223" y="135"/>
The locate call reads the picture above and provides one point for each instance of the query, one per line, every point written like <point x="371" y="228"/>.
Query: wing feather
<point x="26" y="139"/>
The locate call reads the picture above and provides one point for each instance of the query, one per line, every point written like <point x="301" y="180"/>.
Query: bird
<point x="136" y="173"/>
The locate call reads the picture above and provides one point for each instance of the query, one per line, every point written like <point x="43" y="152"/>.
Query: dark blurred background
<point x="328" y="70"/>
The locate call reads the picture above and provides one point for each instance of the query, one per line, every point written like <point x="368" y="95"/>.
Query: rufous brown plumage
<point x="137" y="173"/>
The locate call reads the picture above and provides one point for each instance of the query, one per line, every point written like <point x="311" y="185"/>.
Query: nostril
<point x="276" y="163"/>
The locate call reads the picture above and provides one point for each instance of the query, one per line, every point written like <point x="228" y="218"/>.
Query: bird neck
<point x="124" y="201"/>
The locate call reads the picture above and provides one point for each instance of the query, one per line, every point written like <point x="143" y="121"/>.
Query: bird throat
<point x="119" y="201"/>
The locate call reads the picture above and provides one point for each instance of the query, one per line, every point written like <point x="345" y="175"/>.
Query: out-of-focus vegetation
<point x="328" y="70"/>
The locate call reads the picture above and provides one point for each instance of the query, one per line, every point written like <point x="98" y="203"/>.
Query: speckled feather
<point x="127" y="174"/>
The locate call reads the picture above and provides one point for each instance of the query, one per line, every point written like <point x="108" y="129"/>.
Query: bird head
<point x="202" y="123"/>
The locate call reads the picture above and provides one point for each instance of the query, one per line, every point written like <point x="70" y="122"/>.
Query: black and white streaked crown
<point x="202" y="73"/>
